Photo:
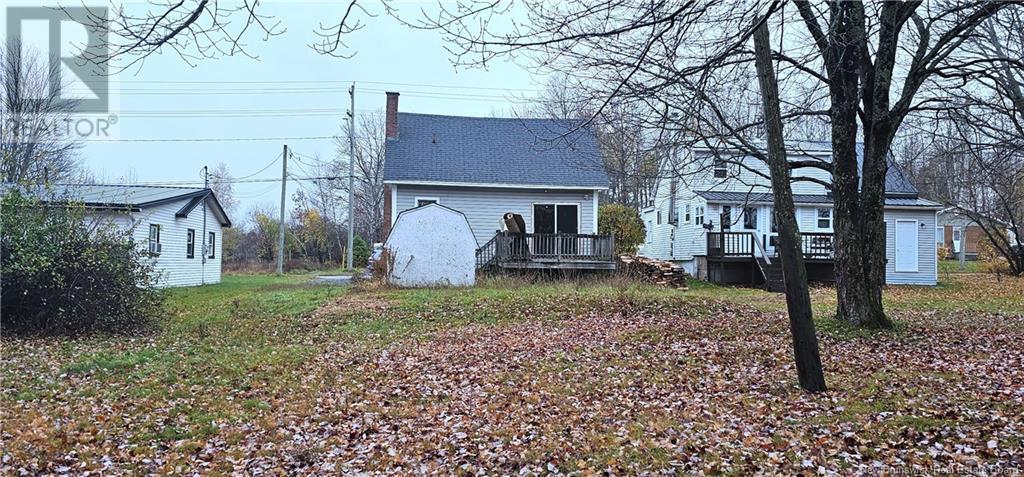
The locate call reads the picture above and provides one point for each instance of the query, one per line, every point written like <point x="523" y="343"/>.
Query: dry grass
<point x="259" y="375"/>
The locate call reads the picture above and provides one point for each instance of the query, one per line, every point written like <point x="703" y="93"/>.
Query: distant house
<point x="957" y="231"/>
<point x="715" y="218"/>
<point x="548" y="171"/>
<point x="180" y="228"/>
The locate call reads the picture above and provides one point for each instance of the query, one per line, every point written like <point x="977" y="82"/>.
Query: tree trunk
<point x="858" y="218"/>
<point x="798" y="298"/>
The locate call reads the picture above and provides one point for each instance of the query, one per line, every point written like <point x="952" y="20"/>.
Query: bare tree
<point x="220" y="182"/>
<point x="630" y="153"/>
<point x="369" y="173"/>
<point x="34" y="144"/>
<point x="859" y="66"/>
<point x="798" y="296"/>
<point x="976" y="162"/>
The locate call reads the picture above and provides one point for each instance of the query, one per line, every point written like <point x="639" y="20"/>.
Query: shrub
<point x="991" y="260"/>
<point x="624" y="224"/>
<point x="945" y="253"/>
<point x="61" y="273"/>
<point x="360" y="252"/>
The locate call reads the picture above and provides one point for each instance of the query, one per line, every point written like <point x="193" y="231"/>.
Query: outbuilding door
<point x="906" y="245"/>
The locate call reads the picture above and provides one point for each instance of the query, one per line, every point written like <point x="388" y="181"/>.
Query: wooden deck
<point x="547" y="252"/>
<point x="740" y="258"/>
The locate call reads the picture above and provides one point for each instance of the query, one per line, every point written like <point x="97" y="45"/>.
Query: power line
<point x="259" y="171"/>
<point x="289" y="82"/>
<point x="200" y="182"/>
<point x="215" y="139"/>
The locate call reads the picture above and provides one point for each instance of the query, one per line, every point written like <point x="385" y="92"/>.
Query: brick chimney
<point x="391" y="116"/>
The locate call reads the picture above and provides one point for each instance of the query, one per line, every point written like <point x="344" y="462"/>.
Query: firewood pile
<point x="659" y="272"/>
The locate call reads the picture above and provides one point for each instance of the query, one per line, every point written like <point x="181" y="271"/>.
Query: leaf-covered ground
<point x="259" y="376"/>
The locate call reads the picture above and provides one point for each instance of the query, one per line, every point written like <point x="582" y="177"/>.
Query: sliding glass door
<point x="552" y="219"/>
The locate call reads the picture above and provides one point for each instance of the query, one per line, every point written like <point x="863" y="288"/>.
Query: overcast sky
<point x="218" y="99"/>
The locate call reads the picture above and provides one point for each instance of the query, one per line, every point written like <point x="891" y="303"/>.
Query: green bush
<point x="360" y="252"/>
<point x="624" y="224"/>
<point x="62" y="273"/>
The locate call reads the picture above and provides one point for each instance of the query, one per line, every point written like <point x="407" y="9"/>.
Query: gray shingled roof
<point x="105" y="196"/>
<point x="434" y="148"/>
<point x="767" y="198"/>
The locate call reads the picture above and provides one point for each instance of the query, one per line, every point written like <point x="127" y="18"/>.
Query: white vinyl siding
<point x="927" y="259"/>
<point x="173" y="266"/>
<point x="484" y="207"/>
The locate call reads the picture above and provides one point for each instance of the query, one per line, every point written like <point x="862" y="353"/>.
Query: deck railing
<point x="509" y="247"/>
<point x="815" y="245"/>
<point x="730" y="244"/>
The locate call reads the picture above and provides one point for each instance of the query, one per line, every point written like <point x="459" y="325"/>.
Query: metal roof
<point x="507" y="151"/>
<point x="131" y="197"/>
<point x="768" y="198"/>
<point x="896" y="181"/>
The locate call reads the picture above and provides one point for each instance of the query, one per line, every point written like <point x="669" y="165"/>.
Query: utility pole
<point x="351" y="169"/>
<point x="280" y="224"/>
<point x="203" y="238"/>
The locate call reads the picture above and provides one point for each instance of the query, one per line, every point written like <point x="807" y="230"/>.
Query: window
<point x="210" y="245"/>
<point x="721" y="169"/>
<point x="750" y="218"/>
<point x="698" y="215"/>
<point x="421" y="201"/>
<point x="659" y="218"/>
<point x="190" y="244"/>
<point x="726" y="217"/>
<point x="775" y="220"/>
<point x="824" y="218"/>
<point x="686" y="215"/>
<point x="154" y="239"/>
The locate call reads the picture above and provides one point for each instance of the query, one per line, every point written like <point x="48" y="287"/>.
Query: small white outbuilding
<point x="430" y="246"/>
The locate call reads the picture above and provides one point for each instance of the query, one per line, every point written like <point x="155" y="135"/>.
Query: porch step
<point x="774" y="281"/>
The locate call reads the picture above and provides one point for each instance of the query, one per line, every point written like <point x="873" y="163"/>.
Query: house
<point x="957" y="231"/>
<point x="180" y="228"/>
<point x="448" y="259"/>
<point x="546" y="170"/>
<point x="714" y="217"/>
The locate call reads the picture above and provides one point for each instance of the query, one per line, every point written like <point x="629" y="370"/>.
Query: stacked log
<point x="659" y="272"/>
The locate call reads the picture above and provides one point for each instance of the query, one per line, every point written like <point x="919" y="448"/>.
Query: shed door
<point x="906" y="245"/>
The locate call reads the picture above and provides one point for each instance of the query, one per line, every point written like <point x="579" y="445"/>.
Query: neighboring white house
<point x="549" y="171"/>
<point x="432" y="245"/>
<point x="180" y="228"/>
<point x="700" y="194"/>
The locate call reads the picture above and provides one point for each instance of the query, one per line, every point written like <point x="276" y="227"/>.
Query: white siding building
<point x="548" y="171"/>
<point x="700" y="195"/>
<point x="180" y="228"/>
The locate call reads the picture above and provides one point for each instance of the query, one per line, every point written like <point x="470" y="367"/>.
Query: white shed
<point x="432" y="245"/>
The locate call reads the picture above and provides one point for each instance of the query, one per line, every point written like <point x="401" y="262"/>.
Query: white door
<point x="906" y="245"/>
<point x="957" y="233"/>
<point x="769" y="231"/>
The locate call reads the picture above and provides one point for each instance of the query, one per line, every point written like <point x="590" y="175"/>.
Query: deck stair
<point x="772" y="273"/>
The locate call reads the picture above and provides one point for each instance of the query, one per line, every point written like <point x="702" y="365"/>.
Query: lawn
<point x="953" y="266"/>
<point x="265" y="374"/>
